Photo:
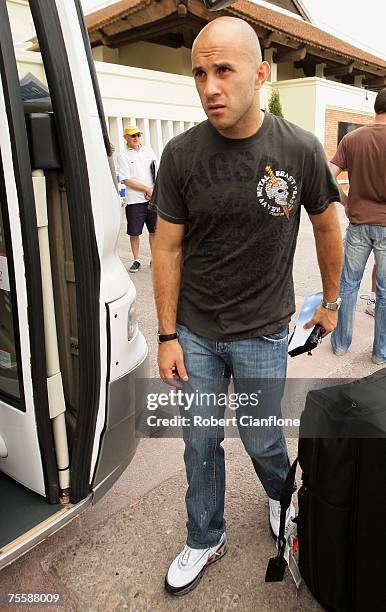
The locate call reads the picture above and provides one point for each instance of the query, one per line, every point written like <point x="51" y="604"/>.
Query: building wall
<point x="28" y="61"/>
<point x="106" y="54"/>
<point x="165" y="59"/>
<point x="298" y="101"/>
<point x="21" y="20"/>
<point x="148" y="56"/>
<point x="333" y="116"/>
<point x="287" y="70"/>
<point x="340" y="97"/>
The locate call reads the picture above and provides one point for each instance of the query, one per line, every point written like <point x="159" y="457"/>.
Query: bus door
<point x="26" y="443"/>
<point x="84" y="308"/>
<point x="101" y="350"/>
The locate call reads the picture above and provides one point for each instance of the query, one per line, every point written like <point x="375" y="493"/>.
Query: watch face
<point x="332" y="305"/>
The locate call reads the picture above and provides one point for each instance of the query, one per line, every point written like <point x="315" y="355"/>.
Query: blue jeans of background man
<point x="360" y="241"/>
<point x="253" y="363"/>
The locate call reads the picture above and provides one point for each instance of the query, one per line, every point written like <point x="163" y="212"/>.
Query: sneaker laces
<point x="185" y="555"/>
<point x="184" y="560"/>
<point x="213" y="552"/>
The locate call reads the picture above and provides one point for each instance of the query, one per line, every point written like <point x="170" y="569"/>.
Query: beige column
<point x="268" y="57"/>
<point x="358" y="80"/>
<point x="319" y="70"/>
<point x="106" y="54"/>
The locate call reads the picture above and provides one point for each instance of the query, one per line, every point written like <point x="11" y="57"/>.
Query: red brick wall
<point x="331" y="134"/>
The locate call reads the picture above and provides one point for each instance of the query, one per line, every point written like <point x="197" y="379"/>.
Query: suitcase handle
<point x="276" y="565"/>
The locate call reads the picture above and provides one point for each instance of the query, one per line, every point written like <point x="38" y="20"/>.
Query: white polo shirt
<point x="134" y="164"/>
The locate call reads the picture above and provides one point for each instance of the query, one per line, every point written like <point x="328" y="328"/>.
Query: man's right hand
<point x="149" y="193"/>
<point x="171" y="363"/>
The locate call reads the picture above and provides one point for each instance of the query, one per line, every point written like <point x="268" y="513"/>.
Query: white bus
<point x="70" y="346"/>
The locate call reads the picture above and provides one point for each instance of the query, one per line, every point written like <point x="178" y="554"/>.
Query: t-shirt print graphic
<point x="229" y="246"/>
<point x="277" y="191"/>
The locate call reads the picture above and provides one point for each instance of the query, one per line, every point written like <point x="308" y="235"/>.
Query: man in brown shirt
<point x="363" y="154"/>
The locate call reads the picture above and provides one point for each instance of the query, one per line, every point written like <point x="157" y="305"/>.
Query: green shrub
<point x="274" y="104"/>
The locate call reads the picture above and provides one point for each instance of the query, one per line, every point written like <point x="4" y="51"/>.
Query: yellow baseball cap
<point x="130" y="130"/>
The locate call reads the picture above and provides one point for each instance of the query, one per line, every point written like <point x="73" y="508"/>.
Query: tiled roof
<point x="301" y="30"/>
<point x="296" y="29"/>
<point x="113" y="12"/>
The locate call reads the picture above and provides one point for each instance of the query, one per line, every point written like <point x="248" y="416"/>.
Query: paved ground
<point x="115" y="555"/>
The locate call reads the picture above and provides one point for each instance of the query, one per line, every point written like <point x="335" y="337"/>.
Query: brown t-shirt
<point x="363" y="153"/>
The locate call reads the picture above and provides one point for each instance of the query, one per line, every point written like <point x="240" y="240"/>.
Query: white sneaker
<point x="274" y="516"/>
<point x="370" y="308"/>
<point x="378" y="360"/>
<point x="187" y="569"/>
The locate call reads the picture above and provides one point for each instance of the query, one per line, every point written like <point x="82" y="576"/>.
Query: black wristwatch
<point x="166" y="337"/>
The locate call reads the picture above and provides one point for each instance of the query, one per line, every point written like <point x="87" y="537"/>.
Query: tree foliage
<point x="274" y="104"/>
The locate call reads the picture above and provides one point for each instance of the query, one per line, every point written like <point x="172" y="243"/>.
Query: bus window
<point x="28" y="454"/>
<point x="10" y="380"/>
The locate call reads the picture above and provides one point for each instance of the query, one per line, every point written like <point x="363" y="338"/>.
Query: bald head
<point x="233" y="31"/>
<point x="229" y="73"/>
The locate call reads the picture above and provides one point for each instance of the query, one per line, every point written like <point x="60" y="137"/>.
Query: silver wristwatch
<point x="332" y="305"/>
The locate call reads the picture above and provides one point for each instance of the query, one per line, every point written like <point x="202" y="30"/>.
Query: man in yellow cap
<point x="136" y="169"/>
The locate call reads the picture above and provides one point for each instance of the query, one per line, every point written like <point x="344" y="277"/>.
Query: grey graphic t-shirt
<point x="240" y="203"/>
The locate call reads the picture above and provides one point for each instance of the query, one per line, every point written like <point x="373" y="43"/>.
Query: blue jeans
<point x="360" y="241"/>
<point x="258" y="363"/>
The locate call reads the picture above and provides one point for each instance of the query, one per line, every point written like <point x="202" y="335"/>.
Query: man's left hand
<point x="328" y="319"/>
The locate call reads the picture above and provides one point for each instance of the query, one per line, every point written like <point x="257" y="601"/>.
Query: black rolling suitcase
<point x="341" y="525"/>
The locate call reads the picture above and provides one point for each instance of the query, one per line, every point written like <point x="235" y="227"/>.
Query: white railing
<point x="156" y="132"/>
<point x="162" y="105"/>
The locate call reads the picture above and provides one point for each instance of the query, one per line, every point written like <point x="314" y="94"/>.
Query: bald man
<point x="228" y="195"/>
